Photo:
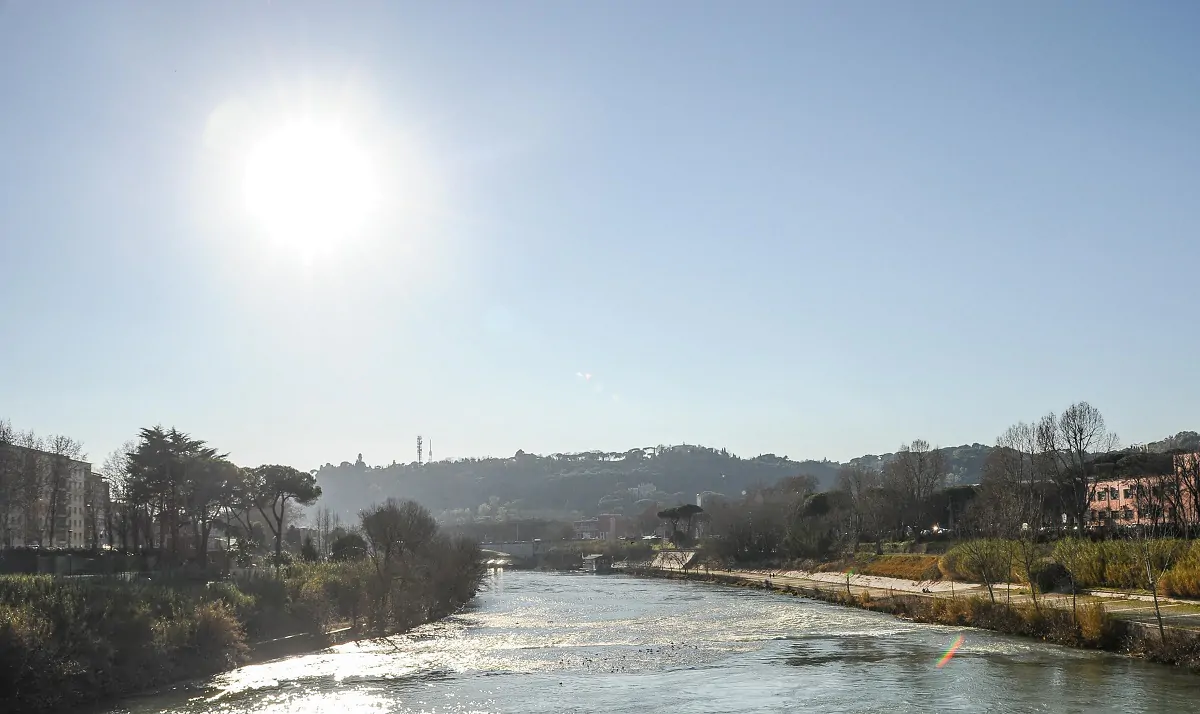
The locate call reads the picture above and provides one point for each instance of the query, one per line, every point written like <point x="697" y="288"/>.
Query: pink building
<point x="1147" y="499"/>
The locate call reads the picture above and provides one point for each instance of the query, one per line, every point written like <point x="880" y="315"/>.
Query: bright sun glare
<point x="310" y="186"/>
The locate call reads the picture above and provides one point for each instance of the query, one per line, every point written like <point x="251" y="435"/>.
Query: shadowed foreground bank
<point x="67" y="642"/>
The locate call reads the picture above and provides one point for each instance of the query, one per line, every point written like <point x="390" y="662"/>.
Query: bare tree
<point x="30" y="486"/>
<point x="1187" y="474"/>
<point x="63" y="451"/>
<point x="860" y="484"/>
<point x="118" y="515"/>
<point x="1069" y="443"/>
<point x="324" y="525"/>
<point x="10" y="471"/>
<point x="1012" y="485"/>
<point x="917" y="471"/>
<point x="1155" y="555"/>
<point x="92" y="507"/>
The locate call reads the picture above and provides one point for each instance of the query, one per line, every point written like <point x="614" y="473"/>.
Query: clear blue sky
<point x="809" y="228"/>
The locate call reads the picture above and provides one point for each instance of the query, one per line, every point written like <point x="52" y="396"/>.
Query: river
<point x="537" y="642"/>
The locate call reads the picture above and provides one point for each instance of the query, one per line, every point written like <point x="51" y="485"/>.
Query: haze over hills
<point x="560" y="485"/>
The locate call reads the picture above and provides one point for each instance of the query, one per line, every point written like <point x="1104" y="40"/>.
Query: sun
<point x="310" y="186"/>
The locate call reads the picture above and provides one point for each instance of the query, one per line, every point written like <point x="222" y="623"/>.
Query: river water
<point x="577" y="643"/>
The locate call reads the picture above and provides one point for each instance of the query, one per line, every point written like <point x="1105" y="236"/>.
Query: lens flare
<point x="950" y="652"/>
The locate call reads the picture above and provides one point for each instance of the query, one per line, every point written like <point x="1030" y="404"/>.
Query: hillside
<point x="559" y="485"/>
<point x="529" y="485"/>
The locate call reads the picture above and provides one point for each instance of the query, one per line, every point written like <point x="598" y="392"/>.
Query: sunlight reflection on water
<point x="562" y="643"/>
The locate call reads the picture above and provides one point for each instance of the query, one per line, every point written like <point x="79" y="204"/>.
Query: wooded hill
<point x="529" y="485"/>
<point x="525" y="485"/>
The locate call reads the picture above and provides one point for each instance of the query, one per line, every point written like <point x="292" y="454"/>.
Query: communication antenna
<point x="419" y="449"/>
<point x="431" y="451"/>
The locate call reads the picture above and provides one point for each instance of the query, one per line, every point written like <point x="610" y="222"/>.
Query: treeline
<point x="166" y="491"/>
<point x="64" y="642"/>
<point x="557" y="485"/>
<point x="1040" y="477"/>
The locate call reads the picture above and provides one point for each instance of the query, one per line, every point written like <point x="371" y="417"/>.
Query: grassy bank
<point x="1091" y="627"/>
<point x="64" y="642"/>
<point x="914" y="567"/>
<point x="1117" y="564"/>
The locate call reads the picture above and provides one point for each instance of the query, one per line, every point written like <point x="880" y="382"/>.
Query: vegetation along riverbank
<point x="1084" y="620"/>
<point x="69" y="641"/>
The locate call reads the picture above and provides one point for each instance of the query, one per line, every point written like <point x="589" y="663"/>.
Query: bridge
<point x="525" y="549"/>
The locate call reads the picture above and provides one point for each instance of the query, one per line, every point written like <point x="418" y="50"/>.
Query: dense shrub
<point x="62" y="641"/>
<point x="1049" y="577"/>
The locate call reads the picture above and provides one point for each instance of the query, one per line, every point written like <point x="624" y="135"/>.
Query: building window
<point x="1128" y="493"/>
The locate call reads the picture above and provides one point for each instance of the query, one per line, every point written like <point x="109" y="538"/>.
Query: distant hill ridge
<point x="556" y="485"/>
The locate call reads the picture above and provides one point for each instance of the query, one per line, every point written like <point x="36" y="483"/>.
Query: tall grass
<point x="1121" y="564"/>
<point x="1183" y="580"/>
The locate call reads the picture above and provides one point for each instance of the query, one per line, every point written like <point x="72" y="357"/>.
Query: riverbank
<point x="1085" y="623"/>
<point x="69" y="642"/>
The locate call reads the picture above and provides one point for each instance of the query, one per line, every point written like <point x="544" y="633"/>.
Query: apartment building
<point x="51" y="505"/>
<point x="1146" y="500"/>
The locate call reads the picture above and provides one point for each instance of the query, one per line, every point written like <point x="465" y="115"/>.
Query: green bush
<point x="64" y="641"/>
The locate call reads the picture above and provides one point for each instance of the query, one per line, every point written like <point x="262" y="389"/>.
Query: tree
<point x="1187" y="473"/>
<point x="816" y="528"/>
<point x="1155" y="554"/>
<point x="63" y="451"/>
<point x="688" y="512"/>
<point x="1068" y="443"/>
<point x="984" y="555"/>
<point x="324" y="525"/>
<point x="118" y="515"/>
<point x="916" y="472"/>
<point x="308" y="551"/>
<point x="858" y="482"/>
<point x="205" y="495"/>
<point x="348" y="547"/>
<point x="159" y="470"/>
<point x="10" y="469"/>
<point x="986" y="559"/>
<point x="1011" y="484"/>
<point x="275" y="487"/>
<point x="671" y="516"/>
<point x="394" y="531"/>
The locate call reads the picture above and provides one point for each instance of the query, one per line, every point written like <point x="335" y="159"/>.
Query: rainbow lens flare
<point x="950" y="652"/>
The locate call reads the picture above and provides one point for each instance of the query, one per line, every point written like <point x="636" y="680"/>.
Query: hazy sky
<point x="809" y="228"/>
